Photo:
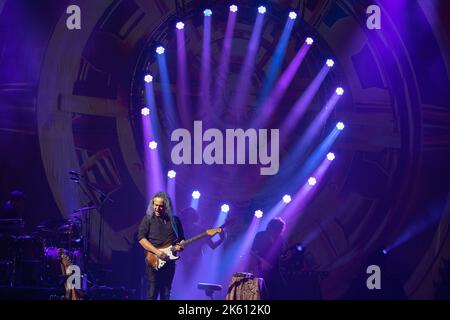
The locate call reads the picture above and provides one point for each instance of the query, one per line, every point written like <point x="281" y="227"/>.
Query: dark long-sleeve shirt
<point x="269" y="249"/>
<point x="160" y="230"/>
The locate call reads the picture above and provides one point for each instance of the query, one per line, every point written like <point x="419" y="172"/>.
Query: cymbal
<point x="56" y="226"/>
<point x="79" y="212"/>
<point x="44" y="228"/>
<point x="66" y="228"/>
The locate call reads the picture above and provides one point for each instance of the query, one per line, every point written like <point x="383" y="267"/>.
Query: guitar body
<point x="156" y="263"/>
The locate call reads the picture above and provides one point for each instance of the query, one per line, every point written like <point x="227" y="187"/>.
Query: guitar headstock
<point x="211" y="232"/>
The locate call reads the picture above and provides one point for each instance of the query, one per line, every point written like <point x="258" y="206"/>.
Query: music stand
<point x="209" y="288"/>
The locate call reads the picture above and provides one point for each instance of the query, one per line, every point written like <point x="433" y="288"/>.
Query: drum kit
<point x="34" y="258"/>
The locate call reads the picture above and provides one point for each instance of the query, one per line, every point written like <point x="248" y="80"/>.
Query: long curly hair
<point x="166" y="200"/>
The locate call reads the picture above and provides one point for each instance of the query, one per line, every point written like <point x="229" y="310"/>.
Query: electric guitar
<point x="156" y="263"/>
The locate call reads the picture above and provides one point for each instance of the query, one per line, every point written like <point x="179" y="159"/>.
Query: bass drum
<point x="6" y="260"/>
<point x="53" y="267"/>
<point x="28" y="256"/>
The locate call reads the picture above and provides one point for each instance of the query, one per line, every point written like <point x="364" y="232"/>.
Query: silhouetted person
<point x="192" y="228"/>
<point x="195" y="256"/>
<point x="266" y="252"/>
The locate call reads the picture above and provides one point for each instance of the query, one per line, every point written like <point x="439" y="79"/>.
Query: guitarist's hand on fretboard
<point x="178" y="247"/>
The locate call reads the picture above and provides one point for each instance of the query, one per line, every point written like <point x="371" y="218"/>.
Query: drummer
<point x="14" y="207"/>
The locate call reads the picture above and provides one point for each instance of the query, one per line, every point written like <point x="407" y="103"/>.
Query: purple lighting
<point x="160" y="50"/>
<point x="148" y="78"/>
<point x="152" y="145"/>
<point x="340" y="126"/>
<point x="240" y="96"/>
<point x="171" y="174"/>
<point x="312" y="181"/>
<point x="195" y="195"/>
<point x="330" y="156"/>
<point x="258" y="214"/>
<point x="180" y="25"/>
<point x="287" y="198"/>
<point x="269" y="106"/>
<point x="262" y="9"/>
<point x="233" y="8"/>
<point x="385" y="251"/>
<point x="339" y="91"/>
<point x="207" y="12"/>
<point x="330" y="63"/>
<point x="309" y="41"/>
<point x="225" y="208"/>
<point x="292" y="15"/>
<point x="145" y="111"/>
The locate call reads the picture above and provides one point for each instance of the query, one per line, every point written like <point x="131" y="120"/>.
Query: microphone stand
<point x="103" y="198"/>
<point x="85" y="218"/>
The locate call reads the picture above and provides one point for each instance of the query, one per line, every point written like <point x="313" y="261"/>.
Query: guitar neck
<point x="195" y="238"/>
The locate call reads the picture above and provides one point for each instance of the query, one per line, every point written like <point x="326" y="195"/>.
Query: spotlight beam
<point x="290" y="170"/>
<point x="317" y="156"/>
<point x="182" y="81"/>
<point x="224" y="62"/>
<point x="303" y="102"/>
<point x="150" y="127"/>
<point x="269" y="106"/>
<point x="293" y="212"/>
<point x="277" y="60"/>
<point x="205" y="72"/>
<point x="171" y="111"/>
<point x="243" y="83"/>
<point x="314" y="128"/>
<point x="151" y="103"/>
<point x="171" y="187"/>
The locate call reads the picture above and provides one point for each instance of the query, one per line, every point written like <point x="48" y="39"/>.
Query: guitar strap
<point x="174" y="226"/>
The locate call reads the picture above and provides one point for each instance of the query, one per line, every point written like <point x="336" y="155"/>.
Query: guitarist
<point x="158" y="228"/>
